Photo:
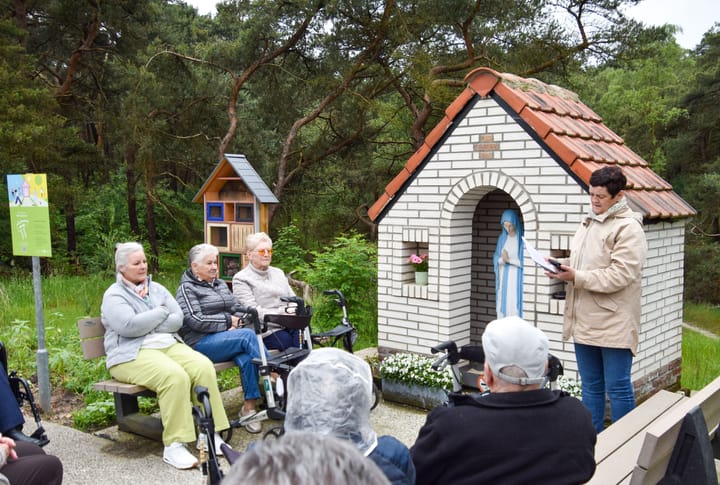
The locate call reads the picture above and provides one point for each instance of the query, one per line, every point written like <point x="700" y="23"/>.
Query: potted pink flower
<point x="420" y="264"/>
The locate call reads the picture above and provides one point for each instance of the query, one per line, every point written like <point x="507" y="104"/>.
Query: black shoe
<point x="18" y="435"/>
<point x="230" y="455"/>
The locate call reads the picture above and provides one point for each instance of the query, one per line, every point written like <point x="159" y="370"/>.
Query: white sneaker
<point x="178" y="456"/>
<point x="218" y="441"/>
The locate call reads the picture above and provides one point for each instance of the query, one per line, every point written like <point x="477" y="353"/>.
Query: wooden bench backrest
<point x="91" y="337"/>
<point x="662" y="435"/>
<point x="618" y="446"/>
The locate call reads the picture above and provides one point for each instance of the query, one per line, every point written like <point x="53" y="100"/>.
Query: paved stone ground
<point x="112" y="457"/>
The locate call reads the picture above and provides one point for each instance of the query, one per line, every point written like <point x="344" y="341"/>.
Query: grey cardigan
<point x="127" y="319"/>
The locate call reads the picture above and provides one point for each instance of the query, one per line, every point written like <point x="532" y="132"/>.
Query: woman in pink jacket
<point x="602" y="307"/>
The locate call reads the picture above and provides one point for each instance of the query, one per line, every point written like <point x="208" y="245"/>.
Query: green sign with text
<point x="29" y="214"/>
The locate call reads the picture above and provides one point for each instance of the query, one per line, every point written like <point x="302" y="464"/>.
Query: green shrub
<point x="95" y="415"/>
<point x="288" y="254"/>
<point x="348" y="265"/>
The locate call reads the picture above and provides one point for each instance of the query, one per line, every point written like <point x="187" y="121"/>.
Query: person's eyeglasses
<point x="264" y="252"/>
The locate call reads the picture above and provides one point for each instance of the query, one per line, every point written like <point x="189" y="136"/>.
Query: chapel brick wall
<point x="448" y="209"/>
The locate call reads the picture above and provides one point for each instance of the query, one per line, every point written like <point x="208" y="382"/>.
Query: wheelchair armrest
<point x="293" y="322"/>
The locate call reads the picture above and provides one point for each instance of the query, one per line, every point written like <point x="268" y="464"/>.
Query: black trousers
<point x="33" y="466"/>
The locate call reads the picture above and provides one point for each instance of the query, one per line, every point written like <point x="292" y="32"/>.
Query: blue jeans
<point x="282" y="339"/>
<point x="241" y="347"/>
<point x="604" y="371"/>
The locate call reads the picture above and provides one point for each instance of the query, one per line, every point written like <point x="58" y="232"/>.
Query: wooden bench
<point x="127" y="409"/>
<point x="639" y="447"/>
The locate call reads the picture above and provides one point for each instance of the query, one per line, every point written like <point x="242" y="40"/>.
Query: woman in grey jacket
<point x="141" y="320"/>
<point x="212" y="325"/>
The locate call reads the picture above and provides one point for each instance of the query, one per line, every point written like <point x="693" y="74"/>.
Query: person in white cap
<point x="518" y="432"/>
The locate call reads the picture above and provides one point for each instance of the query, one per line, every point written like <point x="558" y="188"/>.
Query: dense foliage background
<point x="127" y="105"/>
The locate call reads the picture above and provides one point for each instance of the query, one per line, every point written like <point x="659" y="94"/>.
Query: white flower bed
<point x="570" y="385"/>
<point x="414" y="369"/>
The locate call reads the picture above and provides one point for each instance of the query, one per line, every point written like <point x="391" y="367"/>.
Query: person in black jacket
<point x="11" y="418"/>
<point x="518" y="432"/>
<point x="212" y="327"/>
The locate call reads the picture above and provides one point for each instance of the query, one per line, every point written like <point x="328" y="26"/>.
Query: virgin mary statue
<point x="508" y="263"/>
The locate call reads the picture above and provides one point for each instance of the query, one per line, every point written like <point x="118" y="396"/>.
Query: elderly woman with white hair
<point x="262" y="286"/>
<point x="141" y="320"/>
<point x="212" y="324"/>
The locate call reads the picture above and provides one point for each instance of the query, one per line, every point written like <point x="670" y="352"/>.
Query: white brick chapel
<point x="509" y="142"/>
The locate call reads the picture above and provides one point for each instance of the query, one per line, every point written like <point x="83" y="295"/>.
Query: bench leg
<point x="130" y="419"/>
<point x="125" y="405"/>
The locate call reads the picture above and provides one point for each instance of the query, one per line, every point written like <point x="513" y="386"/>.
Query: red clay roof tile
<point x="456" y="106"/>
<point x="434" y="136"/>
<point x="569" y="129"/>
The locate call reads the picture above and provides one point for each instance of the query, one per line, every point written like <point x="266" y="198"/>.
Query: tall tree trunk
<point x="131" y="179"/>
<point x="70" y="228"/>
<point x="150" y="214"/>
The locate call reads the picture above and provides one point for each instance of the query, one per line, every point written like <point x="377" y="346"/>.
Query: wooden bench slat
<point x="635" y="421"/>
<point x="661" y="436"/>
<point x="121" y="387"/>
<point x="618" y="446"/>
<point x="224" y="365"/>
<point x="618" y="466"/>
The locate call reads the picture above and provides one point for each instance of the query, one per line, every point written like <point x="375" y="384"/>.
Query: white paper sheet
<point x="538" y="258"/>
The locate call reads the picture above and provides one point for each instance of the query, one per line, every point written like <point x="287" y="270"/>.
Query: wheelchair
<point x="297" y="316"/>
<point x="21" y="390"/>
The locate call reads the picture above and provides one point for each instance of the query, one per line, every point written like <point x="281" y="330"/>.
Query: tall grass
<point x="703" y="315"/>
<point x="700" y="353"/>
<point x="700" y="359"/>
<point x="65" y="300"/>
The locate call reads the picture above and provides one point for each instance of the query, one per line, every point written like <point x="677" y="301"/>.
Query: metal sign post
<point x="30" y="230"/>
<point x="41" y="357"/>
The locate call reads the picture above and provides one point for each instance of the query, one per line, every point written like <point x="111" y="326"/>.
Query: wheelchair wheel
<point x="274" y="433"/>
<point x="375" y="396"/>
<point x="226" y="434"/>
<point x="349" y="340"/>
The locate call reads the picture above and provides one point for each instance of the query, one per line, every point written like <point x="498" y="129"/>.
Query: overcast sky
<point x="695" y="17"/>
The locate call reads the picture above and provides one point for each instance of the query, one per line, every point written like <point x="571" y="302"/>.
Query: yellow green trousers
<point x="173" y="373"/>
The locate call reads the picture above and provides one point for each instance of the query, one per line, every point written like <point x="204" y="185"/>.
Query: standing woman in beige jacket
<point x="602" y="310"/>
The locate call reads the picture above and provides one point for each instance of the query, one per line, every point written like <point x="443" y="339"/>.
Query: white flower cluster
<point x="570" y="385"/>
<point x="414" y="369"/>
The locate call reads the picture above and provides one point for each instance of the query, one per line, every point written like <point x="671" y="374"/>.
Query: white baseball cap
<point x="511" y="341"/>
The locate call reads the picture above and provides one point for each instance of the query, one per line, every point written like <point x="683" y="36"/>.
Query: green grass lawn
<point x="700" y="360"/>
<point x="703" y="315"/>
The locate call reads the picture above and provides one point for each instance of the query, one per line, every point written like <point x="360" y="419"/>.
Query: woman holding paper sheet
<point x="602" y="308"/>
<point x="508" y="263"/>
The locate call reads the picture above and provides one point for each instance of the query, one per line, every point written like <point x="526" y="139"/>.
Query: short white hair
<point x="199" y="251"/>
<point x="123" y="251"/>
<point x="252" y="241"/>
